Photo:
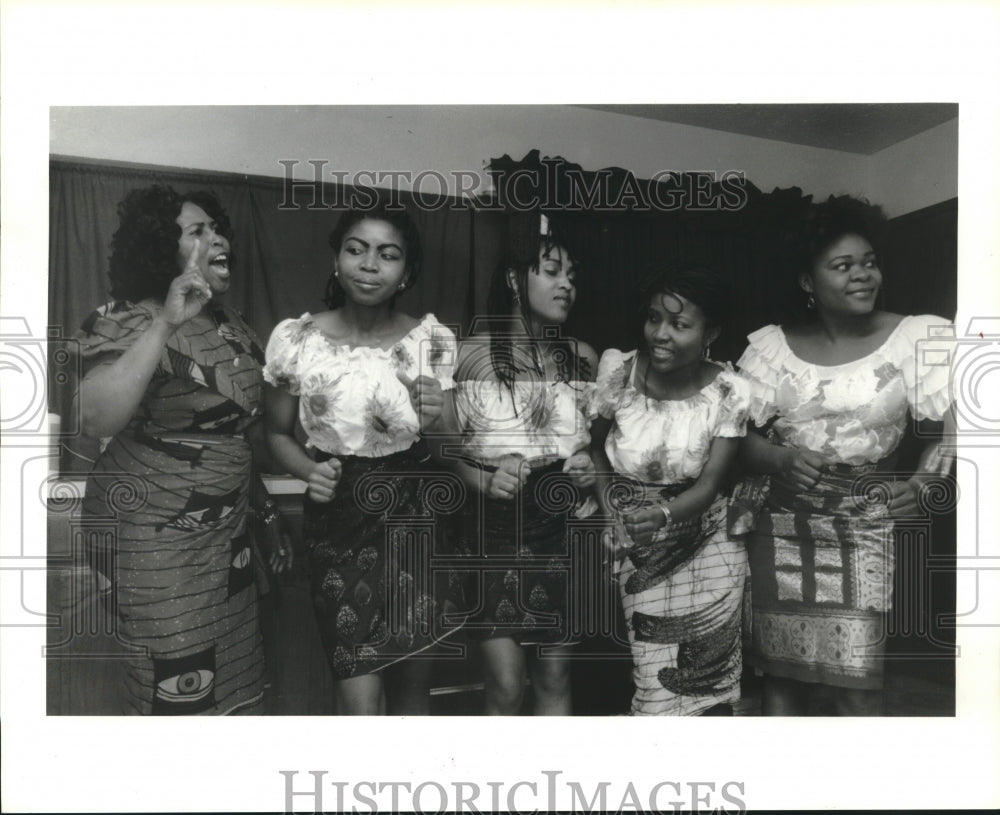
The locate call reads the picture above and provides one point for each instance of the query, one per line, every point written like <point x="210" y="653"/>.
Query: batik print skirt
<point x="169" y="543"/>
<point x="378" y="596"/>
<point x="518" y="580"/>
<point x="821" y="565"/>
<point x="682" y="595"/>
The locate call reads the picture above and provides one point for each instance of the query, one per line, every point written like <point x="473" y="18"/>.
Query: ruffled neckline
<point x="779" y="332"/>
<point x="695" y="398"/>
<point x="308" y="322"/>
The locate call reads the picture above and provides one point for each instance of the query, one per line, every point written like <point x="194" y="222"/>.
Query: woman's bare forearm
<point x="111" y="394"/>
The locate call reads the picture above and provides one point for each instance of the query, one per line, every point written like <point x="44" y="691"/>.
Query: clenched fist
<point x="427" y="398"/>
<point x="642" y="524"/>
<point x="508" y="478"/>
<point x="580" y="467"/>
<point x="323" y="480"/>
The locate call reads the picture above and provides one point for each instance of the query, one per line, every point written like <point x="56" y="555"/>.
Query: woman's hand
<point x="580" y="468"/>
<point x="427" y="398"/>
<point x="111" y="393"/>
<point x="616" y="542"/>
<point x="188" y="292"/>
<point x="323" y="480"/>
<point x="804" y="468"/>
<point x="903" y="501"/>
<point x="508" y="478"/>
<point x="643" y="524"/>
<point x="277" y="547"/>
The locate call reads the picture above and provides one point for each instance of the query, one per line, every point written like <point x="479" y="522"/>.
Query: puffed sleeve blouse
<point x="351" y="399"/>
<point x="665" y="441"/>
<point x="535" y="419"/>
<point x="854" y="413"/>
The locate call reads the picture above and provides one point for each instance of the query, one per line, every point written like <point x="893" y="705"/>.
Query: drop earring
<point x="516" y="298"/>
<point x="811" y="303"/>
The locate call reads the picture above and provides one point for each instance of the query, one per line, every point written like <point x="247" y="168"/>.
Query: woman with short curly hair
<point x="667" y="429"/>
<point x="172" y="382"/>
<point x="832" y="394"/>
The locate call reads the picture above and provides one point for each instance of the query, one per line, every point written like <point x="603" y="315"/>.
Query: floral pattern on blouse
<point x="853" y="413"/>
<point x="665" y="441"/>
<point x="351" y="401"/>
<point x="536" y="419"/>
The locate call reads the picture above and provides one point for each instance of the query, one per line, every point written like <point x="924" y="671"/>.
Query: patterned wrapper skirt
<point x="377" y="593"/>
<point x="821" y="566"/>
<point x="519" y="585"/>
<point x="179" y="571"/>
<point x="682" y="594"/>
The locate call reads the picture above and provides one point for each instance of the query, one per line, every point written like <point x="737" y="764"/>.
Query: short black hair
<point x="817" y="227"/>
<point x="399" y="218"/>
<point x="703" y="285"/>
<point x="826" y="223"/>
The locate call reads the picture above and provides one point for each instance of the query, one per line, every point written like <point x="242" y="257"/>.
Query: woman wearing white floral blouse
<point x="669" y="425"/>
<point x="364" y="380"/>
<point x="521" y="404"/>
<point x="833" y="393"/>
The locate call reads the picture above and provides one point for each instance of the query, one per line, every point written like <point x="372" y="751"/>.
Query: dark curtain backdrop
<point x="283" y="260"/>
<point x="282" y="256"/>
<point x="621" y="243"/>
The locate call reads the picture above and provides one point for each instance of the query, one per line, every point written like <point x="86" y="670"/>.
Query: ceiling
<point x="853" y="128"/>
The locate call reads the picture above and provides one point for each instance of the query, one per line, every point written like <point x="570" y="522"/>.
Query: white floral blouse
<point x="853" y="413"/>
<point x="350" y="400"/>
<point x="665" y="441"/>
<point x="539" y="420"/>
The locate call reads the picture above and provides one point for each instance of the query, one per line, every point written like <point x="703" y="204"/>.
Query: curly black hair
<point x="334" y="296"/>
<point x="703" y="285"/>
<point x="819" y="226"/>
<point x="143" y="258"/>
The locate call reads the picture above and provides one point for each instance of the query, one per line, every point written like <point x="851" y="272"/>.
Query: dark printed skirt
<point x="377" y="597"/>
<point x="519" y="584"/>
<point x="821" y="565"/>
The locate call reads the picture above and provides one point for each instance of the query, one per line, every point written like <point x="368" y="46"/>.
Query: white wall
<point x="917" y="172"/>
<point x="912" y="174"/>
<point x="442" y="138"/>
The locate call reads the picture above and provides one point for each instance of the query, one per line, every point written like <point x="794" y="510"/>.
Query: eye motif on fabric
<point x="184" y="685"/>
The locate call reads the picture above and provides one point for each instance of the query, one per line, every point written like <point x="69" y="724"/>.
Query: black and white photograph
<point x="667" y="414"/>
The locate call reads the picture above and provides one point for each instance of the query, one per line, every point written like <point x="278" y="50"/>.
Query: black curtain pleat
<point x="282" y="259"/>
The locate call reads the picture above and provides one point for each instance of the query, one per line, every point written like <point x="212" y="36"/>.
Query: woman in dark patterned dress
<point x="364" y="380"/>
<point x="173" y="378"/>
<point x="521" y="403"/>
